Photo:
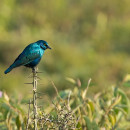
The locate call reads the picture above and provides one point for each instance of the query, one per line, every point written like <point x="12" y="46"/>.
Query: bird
<point x="31" y="55"/>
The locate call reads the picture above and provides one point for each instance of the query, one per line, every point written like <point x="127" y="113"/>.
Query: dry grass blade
<point x="28" y="115"/>
<point x="69" y="100"/>
<point x="56" y="90"/>
<point x="85" y="92"/>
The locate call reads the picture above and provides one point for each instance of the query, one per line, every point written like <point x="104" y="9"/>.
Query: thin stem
<point x="28" y="115"/>
<point x="35" y="97"/>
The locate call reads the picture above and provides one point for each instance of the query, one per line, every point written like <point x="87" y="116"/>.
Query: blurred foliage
<point x="97" y="32"/>
<point x="70" y="109"/>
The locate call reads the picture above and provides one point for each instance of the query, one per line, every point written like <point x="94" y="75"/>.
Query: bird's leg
<point x="33" y="70"/>
<point x="35" y="97"/>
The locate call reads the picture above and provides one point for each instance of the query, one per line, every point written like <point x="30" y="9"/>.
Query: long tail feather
<point x="8" y="70"/>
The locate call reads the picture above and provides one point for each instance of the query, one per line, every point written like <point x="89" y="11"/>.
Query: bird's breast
<point x="41" y="52"/>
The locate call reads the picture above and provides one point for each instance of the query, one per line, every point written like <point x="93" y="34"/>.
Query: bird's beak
<point x="49" y="47"/>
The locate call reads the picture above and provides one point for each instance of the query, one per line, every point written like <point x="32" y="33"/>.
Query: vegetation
<point x="89" y="38"/>
<point x="71" y="109"/>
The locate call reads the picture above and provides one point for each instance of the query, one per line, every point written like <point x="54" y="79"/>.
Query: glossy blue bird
<point x="31" y="55"/>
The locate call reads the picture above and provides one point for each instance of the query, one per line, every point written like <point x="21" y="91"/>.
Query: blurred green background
<point x="90" y="39"/>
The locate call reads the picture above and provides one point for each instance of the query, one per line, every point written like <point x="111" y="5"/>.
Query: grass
<point x="70" y="109"/>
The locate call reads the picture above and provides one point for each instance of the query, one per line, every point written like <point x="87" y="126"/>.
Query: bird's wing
<point x="29" y="54"/>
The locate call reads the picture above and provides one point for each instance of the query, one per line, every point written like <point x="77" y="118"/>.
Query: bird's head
<point x="43" y="44"/>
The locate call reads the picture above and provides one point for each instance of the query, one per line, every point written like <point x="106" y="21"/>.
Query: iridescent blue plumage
<point x="30" y="56"/>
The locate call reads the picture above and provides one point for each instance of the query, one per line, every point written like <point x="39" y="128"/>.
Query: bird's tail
<point x="9" y="69"/>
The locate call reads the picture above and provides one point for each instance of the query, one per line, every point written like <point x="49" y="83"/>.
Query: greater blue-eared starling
<point x="31" y="55"/>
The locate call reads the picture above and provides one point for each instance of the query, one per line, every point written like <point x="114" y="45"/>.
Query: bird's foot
<point x="34" y="70"/>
